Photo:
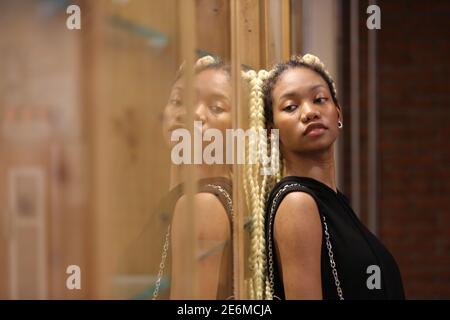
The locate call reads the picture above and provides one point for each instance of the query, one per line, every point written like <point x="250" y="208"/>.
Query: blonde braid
<point x="257" y="187"/>
<point x="205" y="62"/>
<point x="249" y="182"/>
<point x="251" y="289"/>
<point x="259" y="243"/>
<point x="251" y="177"/>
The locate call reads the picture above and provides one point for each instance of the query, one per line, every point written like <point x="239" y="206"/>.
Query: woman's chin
<point x="316" y="147"/>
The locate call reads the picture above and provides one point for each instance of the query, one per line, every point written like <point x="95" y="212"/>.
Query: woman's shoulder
<point x="210" y="216"/>
<point x="293" y="190"/>
<point x="297" y="211"/>
<point x="291" y="203"/>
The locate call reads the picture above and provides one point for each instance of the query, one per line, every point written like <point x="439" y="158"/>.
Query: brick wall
<point x="414" y="138"/>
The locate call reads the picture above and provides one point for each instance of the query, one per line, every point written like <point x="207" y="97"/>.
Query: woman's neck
<point x="319" y="166"/>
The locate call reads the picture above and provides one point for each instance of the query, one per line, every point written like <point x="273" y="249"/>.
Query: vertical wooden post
<point x="276" y="38"/>
<point x="189" y="287"/>
<point x="98" y="275"/>
<point x="296" y="26"/>
<point x="286" y="29"/>
<point x="238" y="200"/>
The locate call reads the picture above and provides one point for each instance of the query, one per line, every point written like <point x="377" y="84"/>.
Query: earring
<point x="340" y="125"/>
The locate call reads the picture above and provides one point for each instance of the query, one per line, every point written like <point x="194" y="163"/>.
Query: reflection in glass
<point x="213" y="208"/>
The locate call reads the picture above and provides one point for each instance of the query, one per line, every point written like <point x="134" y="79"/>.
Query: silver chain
<point x="162" y="264"/>
<point x="332" y="262"/>
<point x="327" y="239"/>
<point x="226" y="195"/>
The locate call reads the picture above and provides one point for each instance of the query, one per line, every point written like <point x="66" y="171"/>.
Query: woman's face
<point x="213" y="100"/>
<point x="212" y="103"/>
<point x="304" y="112"/>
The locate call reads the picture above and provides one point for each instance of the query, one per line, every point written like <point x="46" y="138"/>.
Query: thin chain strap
<point x="327" y="239"/>
<point x="227" y="197"/>
<point x="162" y="264"/>
<point x="332" y="262"/>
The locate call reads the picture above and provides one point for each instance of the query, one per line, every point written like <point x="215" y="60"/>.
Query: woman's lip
<point x="316" y="132"/>
<point x="314" y="127"/>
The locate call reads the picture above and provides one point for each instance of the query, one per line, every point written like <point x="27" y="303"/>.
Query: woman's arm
<point x="298" y="241"/>
<point x="213" y="231"/>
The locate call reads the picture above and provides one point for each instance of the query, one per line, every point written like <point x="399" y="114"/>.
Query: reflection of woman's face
<point x="174" y="113"/>
<point x="304" y="111"/>
<point x="212" y="103"/>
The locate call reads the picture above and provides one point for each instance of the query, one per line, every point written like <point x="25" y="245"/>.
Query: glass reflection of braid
<point x="255" y="187"/>
<point x="204" y="63"/>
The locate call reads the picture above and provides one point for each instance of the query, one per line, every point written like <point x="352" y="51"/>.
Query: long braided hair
<point x="257" y="183"/>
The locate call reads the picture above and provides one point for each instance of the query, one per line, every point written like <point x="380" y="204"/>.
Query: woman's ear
<point x="340" y="115"/>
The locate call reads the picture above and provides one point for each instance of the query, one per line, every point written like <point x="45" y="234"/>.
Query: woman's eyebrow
<point x="288" y="95"/>
<point x="314" y="87"/>
<point x="294" y="93"/>
<point x="220" y="96"/>
<point x="216" y="95"/>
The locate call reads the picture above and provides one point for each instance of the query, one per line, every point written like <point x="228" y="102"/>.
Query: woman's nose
<point x="200" y="113"/>
<point x="309" y="113"/>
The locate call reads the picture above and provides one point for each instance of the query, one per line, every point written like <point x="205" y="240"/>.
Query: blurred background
<point x="84" y="164"/>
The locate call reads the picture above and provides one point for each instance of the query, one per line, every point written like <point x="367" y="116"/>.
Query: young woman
<point x="316" y="246"/>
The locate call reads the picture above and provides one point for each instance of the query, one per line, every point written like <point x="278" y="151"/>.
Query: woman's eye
<point x="290" y="108"/>
<point x="175" y="102"/>
<point x="216" y="109"/>
<point x="320" y="100"/>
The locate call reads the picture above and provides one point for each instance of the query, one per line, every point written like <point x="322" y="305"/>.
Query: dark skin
<point x="307" y="119"/>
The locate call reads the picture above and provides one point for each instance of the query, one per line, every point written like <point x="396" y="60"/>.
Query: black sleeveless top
<point x="354" y="247"/>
